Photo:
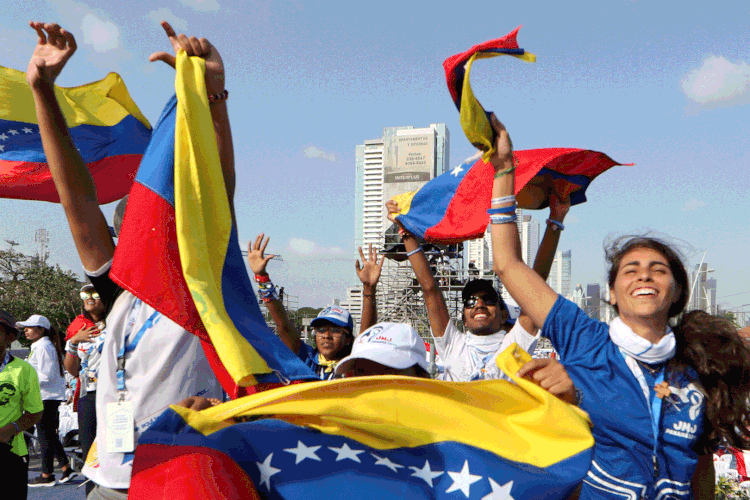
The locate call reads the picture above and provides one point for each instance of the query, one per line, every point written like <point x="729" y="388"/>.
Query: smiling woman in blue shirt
<point x="660" y="398"/>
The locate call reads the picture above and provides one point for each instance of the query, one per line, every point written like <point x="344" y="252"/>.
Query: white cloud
<point x="313" y="152"/>
<point x="693" y="204"/>
<point x="572" y="219"/>
<point x="165" y="14"/>
<point x="718" y="82"/>
<point x="309" y="248"/>
<point x="202" y="5"/>
<point x="101" y="34"/>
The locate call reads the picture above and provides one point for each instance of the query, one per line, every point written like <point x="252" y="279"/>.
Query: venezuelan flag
<point x="371" y="438"/>
<point x="178" y="249"/>
<point x="474" y="120"/>
<point x="107" y="127"/>
<point x="453" y="206"/>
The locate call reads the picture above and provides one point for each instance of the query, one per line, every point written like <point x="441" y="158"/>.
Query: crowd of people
<point x="662" y="395"/>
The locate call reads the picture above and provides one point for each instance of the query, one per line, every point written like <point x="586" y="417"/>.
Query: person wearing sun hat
<point x="386" y="349"/>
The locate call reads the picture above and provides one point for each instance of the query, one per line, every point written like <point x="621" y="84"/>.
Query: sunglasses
<point x="333" y="331"/>
<point x="472" y="301"/>
<point x="87" y="296"/>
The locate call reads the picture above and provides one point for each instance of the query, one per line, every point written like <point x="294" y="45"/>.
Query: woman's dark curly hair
<point x="713" y="348"/>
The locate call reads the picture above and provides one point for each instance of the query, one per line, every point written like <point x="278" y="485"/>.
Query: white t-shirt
<point x="90" y="354"/>
<point x="466" y="357"/>
<point x="43" y="357"/>
<point x="167" y="365"/>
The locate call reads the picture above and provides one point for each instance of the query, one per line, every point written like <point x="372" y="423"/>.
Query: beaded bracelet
<point x="415" y="251"/>
<point x="556" y="224"/>
<point x="505" y="172"/>
<point x="219" y="97"/>
<point x="262" y="278"/>
<point x="503" y="210"/>
<point x="503" y="199"/>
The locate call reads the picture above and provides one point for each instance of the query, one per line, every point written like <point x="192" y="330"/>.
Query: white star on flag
<point x="13" y="132"/>
<point x="499" y="492"/>
<point x="3" y="137"/>
<point x="27" y="130"/>
<point x="457" y="171"/>
<point x="462" y="480"/>
<point x="345" y="452"/>
<point x="266" y="471"/>
<point x="2" y="148"/>
<point x="426" y="473"/>
<point x="387" y="463"/>
<point x="302" y="452"/>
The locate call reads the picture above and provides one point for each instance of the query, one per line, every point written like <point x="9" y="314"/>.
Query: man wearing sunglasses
<point x="490" y="327"/>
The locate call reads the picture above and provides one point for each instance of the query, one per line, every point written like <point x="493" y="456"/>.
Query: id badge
<point x="120" y="427"/>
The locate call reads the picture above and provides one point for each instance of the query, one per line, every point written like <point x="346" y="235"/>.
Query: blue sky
<point x="664" y="85"/>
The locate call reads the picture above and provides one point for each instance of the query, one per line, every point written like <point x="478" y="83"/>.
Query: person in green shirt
<point x="20" y="409"/>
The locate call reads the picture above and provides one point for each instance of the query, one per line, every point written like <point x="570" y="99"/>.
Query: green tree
<point x="729" y="315"/>
<point x="29" y="286"/>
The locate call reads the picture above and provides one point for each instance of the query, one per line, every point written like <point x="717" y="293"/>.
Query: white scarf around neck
<point x="639" y="348"/>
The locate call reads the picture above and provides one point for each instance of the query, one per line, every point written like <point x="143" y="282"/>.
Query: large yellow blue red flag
<point x="371" y="438"/>
<point x="178" y="249"/>
<point x="106" y="126"/>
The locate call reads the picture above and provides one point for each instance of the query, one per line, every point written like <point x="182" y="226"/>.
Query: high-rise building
<point x="403" y="160"/>
<point x="479" y="254"/>
<point x="529" y="234"/>
<point x="559" y="276"/>
<point x="593" y="302"/>
<point x="703" y="289"/>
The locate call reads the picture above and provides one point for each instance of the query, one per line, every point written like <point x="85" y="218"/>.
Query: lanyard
<point x="129" y="345"/>
<point x="7" y="359"/>
<point x="654" y="406"/>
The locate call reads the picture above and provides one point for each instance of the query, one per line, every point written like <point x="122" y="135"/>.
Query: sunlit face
<point x="33" y="333"/>
<point x="644" y="286"/>
<point x="92" y="303"/>
<point x="483" y="318"/>
<point x="330" y="339"/>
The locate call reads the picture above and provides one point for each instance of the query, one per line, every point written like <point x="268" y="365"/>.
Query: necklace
<point x="652" y="370"/>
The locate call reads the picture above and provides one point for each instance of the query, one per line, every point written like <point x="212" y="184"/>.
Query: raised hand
<point x="558" y="207"/>
<point x="255" y="255"/>
<point x="393" y="211"/>
<point x="503" y="145"/>
<point x="369" y="272"/>
<point x="53" y="49"/>
<point x="194" y="47"/>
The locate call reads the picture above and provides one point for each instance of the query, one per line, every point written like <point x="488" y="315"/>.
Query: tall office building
<point x="593" y="301"/>
<point x="529" y="234"/>
<point x="703" y="289"/>
<point x="559" y="276"/>
<point x="403" y="160"/>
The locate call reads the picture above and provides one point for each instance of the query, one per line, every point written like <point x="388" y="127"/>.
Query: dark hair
<point x="54" y="337"/>
<point x="616" y="251"/>
<point x="713" y="348"/>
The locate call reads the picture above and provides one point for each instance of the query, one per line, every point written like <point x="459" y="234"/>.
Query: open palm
<point x="53" y="49"/>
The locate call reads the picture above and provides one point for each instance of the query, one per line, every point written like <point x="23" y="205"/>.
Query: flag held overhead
<point x="474" y="120"/>
<point x="106" y="126"/>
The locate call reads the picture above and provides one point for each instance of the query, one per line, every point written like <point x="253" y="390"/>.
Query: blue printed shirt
<point x="623" y="465"/>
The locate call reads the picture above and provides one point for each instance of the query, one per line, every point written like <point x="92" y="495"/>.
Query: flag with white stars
<point x="371" y="438"/>
<point x="106" y="126"/>
<point x="452" y="207"/>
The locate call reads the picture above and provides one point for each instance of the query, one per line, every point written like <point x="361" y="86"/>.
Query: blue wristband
<point x="556" y="223"/>
<point x="415" y="251"/>
<point x="504" y="210"/>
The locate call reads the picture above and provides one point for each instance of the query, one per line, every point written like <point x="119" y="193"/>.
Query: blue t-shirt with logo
<point x="623" y="464"/>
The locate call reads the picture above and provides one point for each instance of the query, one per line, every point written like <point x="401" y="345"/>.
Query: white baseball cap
<point x="34" y="320"/>
<point x="396" y="345"/>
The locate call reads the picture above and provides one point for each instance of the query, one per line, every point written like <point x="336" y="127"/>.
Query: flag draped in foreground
<point x="453" y="206"/>
<point x="474" y="119"/>
<point x="106" y="126"/>
<point x="371" y="438"/>
<point x="178" y="249"/>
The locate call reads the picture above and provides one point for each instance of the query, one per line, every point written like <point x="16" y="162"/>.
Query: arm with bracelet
<point x="258" y="260"/>
<point x="437" y="310"/>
